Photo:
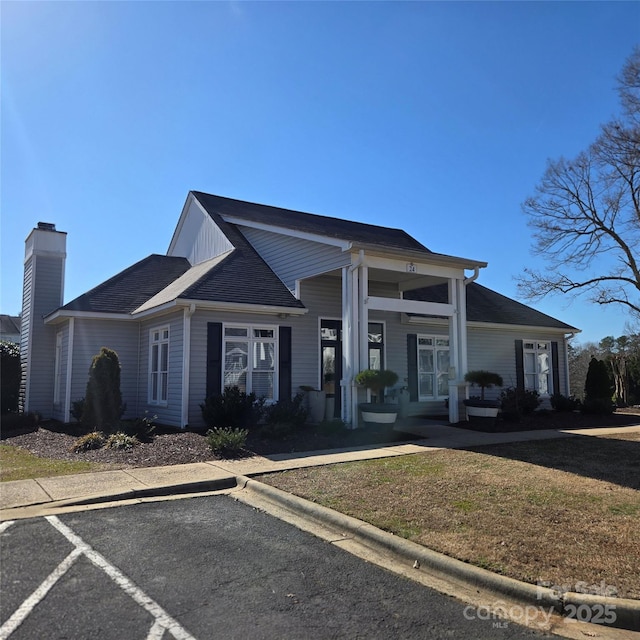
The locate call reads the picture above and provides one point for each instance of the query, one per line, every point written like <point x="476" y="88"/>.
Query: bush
<point x="332" y="427"/>
<point x="10" y="374"/>
<point x="142" y="428"/>
<point x="233" y="408"/>
<point x="21" y="422"/>
<point x="564" y="403"/>
<point x="598" y="389"/>
<point x="121" y="440"/>
<point x="287" y="411"/>
<point x="226" y="441"/>
<point x="93" y="440"/>
<point x="516" y="402"/>
<point x="103" y="401"/>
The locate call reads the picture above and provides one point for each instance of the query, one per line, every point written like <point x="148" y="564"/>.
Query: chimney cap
<point x="46" y="226"/>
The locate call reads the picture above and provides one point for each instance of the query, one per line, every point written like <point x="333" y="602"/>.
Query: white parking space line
<point x="5" y="525"/>
<point x="156" y="632"/>
<point x="162" y="618"/>
<point x="28" y="605"/>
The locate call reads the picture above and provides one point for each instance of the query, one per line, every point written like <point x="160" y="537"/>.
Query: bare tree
<point x="585" y="213"/>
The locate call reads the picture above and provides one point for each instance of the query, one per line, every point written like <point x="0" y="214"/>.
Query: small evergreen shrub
<point x="233" y="408"/>
<point x="332" y="427"/>
<point x="103" y="400"/>
<point x="564" y="403"/>
<point x="93" y="440"/>
<point x="10" y="373"/>
<point x="226" y="441"/>
<point x="120" y="440"/>
<point x="23" y="422"/>
<point x="598" y="390"/>
<point x="287" y="411"/>
<point x="516" y="402"/>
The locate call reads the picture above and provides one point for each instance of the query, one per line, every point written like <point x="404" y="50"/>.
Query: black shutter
<point x="214" y="358"/>
<point x="412" y="366"/>
<point x="555" y="367"/>
<point x="284" y="363"/>
<point x="519" y="365"/>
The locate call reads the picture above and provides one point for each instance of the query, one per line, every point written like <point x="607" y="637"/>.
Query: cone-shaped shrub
<point x="103" y="400"/>
<point x="598" y="389"/>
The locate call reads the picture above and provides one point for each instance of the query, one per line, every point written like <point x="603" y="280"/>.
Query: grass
<point x="18" y="464"/>
<point x="556" y="511"/>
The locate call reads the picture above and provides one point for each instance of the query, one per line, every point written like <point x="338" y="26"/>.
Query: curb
<point x="576" y="606"/>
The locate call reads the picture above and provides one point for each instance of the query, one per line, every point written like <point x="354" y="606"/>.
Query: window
<point x="537" y="367"/>
<point x="57" y="381"/>
<point x="433" y="367"/>
<point x="159" y="366"/>
<point x="250" y="359"/>
<point x="376" y="346"/>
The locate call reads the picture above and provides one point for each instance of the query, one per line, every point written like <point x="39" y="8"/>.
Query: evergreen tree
<point x="103" y="400"/>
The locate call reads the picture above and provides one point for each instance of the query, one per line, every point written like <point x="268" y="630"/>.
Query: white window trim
<point x="251" y="327"/>
<point x="160" y="402"/>
<point x="434" y="348"/>
<point x="537" y="374"/>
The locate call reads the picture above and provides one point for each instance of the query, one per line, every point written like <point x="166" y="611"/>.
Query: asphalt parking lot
<point x="208" y="568"/>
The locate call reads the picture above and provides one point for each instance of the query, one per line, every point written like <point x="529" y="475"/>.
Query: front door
<point x="331" y="362"/>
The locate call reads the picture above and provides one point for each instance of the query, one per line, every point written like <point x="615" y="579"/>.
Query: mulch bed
<point x="54" y="440"/>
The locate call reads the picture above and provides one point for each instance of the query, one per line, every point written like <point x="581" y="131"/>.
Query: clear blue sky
<point x="435" y="117"/>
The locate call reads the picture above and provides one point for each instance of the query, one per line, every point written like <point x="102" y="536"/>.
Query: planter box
<point x="379" y="413"/>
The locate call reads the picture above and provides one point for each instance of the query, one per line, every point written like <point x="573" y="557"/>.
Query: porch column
<point x="347" y="350"/>
<point x="363" y="295"/>
<point x="355" y="341"/>
<point x="454" y="346"/>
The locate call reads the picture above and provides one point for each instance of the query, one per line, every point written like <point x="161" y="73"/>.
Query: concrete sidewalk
<point x="214" y="475"/>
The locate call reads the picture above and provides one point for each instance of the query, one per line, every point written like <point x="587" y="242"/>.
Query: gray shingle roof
<point x="130" y="288"/>
<point x="486" y="305"/>
<point x="357" y="232"/>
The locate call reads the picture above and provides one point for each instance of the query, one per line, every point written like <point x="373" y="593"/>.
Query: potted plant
<point x="479" y="406"/>
<point x="376" y="381"/>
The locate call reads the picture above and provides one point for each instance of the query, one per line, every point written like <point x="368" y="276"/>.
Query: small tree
<point x="377" y="381"/>
<point x="598" y="389"/>
<point x="103" y="400"/>
<point x="483" y="379"/>
<point x="9" y="376"/>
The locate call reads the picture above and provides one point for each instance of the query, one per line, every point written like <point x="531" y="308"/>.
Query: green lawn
<point x="18" y="464"/>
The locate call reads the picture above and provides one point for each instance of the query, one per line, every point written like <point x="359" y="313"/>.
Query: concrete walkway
<point x="20" y="497"/>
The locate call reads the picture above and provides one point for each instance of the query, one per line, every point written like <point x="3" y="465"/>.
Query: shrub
<point x="483" y="379"/>
<point x="232" y="408"/>
<point x="77" y="409"/>
<point x="332" y="427"/>
<point x="93" y="440"/>
<point x="10" y="374"/>
<point x="377" y="381"/>
<point x="287" y="411"/>
<point x="564" y="403"/>
<point x="226" y="441"/>
<point x="121" y="440"/>
<point x="142" y="428"/>
<point x="22" y="422"/>
<point x="103" y="401"/>
<point x="516" y="402"/>
<point x="598" y="389"/>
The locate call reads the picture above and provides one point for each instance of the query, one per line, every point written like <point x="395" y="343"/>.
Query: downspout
<point x="186" y="363"/>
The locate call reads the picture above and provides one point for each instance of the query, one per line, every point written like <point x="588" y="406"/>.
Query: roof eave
<point x="418" y="256"/>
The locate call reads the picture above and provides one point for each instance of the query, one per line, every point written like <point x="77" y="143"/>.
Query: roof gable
<point x="309" y="223"/>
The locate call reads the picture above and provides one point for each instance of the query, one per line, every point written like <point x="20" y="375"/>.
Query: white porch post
<point x="347" y="351"/>
<point x="454" y="347"/>
<point x="363" y="297"/>
<point x="355" y="341"/>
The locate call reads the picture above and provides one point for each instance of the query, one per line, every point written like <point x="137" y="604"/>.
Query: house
<point x="269" y="300"/>
<point x="10" y="328"/>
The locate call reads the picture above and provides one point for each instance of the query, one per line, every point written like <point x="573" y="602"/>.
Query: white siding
<point x="197" y="237"/>
<point x="294" y="258"/>
<point x="89" y="337"/>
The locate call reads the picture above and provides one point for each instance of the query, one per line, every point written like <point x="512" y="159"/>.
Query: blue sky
<point x="433" y="117"/>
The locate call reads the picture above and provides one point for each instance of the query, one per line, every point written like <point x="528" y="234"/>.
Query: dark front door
<point x="331" y="361"/>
